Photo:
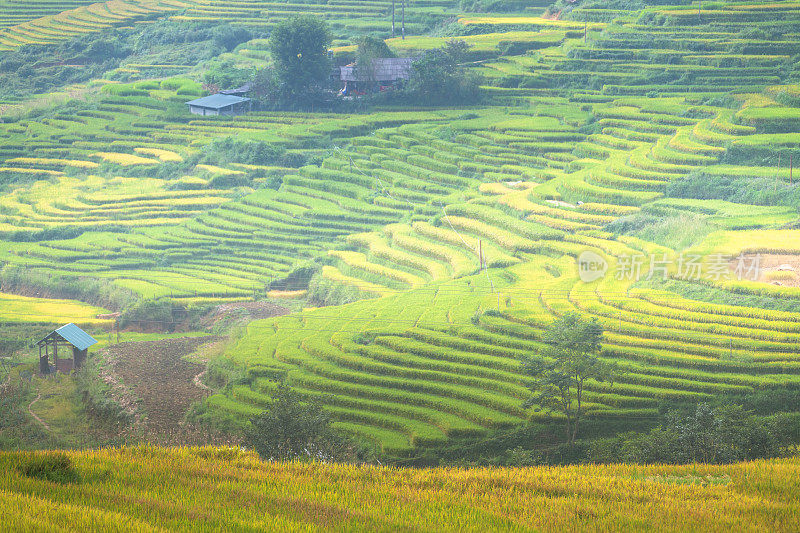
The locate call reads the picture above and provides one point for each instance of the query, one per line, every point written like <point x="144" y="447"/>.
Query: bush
<point x="158" y="314"/>
<point x="438" y="79"/>
<point x="48" y="466"/>
<point x="226" y="75"/>
<point x="233" y="150"/>
<point x="738" y="189"/>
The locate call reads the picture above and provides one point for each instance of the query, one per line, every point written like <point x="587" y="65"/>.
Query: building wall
<point x="65" y="365"/>
<point x="226" y="111"/>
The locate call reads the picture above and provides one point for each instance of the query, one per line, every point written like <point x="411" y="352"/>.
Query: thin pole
<point x="584" y="30"/>
<point x="791" y="161"/>
<point x="403" y="5"/>
<point x="480" y="252"/>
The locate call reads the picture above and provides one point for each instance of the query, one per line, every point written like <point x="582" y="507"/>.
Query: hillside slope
<point x="656" y="134"/>
<point x="215" y="488"/>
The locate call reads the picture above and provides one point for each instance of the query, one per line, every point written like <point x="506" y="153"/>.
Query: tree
<point x="299" y="49"/>
<point x="438" y="78"/>
<point x="569" y="361"/>
<point x="291" y="429"/>
<point x="369" y="49"/>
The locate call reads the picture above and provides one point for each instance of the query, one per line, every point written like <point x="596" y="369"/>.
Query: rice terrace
<point x="423" y="265"/>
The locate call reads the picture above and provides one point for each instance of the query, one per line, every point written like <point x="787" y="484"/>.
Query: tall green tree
<point x="562" y="371"/>
<point x="293" y="429"/>
<point x="299" y="47"/>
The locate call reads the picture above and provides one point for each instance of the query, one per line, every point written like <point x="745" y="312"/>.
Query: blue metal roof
<point x="76" y="336"/>
<point x="217" y="101"/>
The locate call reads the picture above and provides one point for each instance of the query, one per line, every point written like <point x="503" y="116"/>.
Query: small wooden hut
<point x="68" y="336"/>
<point x="384" y="73"/>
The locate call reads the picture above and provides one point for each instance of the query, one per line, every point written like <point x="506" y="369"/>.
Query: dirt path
<point x="156" y="374"/>
<point x="30" y="410"/>
<point x="198" y="381"/>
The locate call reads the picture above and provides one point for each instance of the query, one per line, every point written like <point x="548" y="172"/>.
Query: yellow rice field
<point x="204" y="489"/>
<point x="18" y="309"/>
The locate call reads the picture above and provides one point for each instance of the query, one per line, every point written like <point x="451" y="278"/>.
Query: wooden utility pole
<point x="393" y="18"/>
<point x="585" y="25"/>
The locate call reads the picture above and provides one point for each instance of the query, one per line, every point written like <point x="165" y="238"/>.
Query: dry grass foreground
<point x="151" y="488"/>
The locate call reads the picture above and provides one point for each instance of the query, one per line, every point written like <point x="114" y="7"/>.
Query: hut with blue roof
<point x="68" y="336"/>
<point x="220" y="104"/>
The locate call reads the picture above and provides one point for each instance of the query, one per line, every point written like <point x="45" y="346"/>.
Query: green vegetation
<point x="438" y="78"/>
<point x="561" y="379"/>
<point x="441" y="235"/>
<point x="290" y="430"/>
<point x="299" y="48"/>
<point x="709" y="435"/>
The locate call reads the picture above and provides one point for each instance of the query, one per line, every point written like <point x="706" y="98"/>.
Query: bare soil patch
<point x="776" y="269"/>
<point x="161" y="380"/>
<point x="244" y="312"/>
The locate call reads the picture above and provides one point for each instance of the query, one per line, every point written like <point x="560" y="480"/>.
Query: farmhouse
<point x="385" y="73"/>
<point x="66" y="336"/>
<point x="220" y="104"/>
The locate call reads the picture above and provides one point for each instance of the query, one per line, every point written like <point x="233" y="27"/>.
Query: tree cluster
<point x="439" y="78"/>
<point x="713" y="435"/>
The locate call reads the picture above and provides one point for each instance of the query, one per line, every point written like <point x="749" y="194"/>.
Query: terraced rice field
<point x="427" y="364"/>
<point x="45" y="21"/>
<point x="459" y="228"/>
<point x="16" y="309"/>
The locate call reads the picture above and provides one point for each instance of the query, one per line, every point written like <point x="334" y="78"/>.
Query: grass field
<point x="113" y="489"/>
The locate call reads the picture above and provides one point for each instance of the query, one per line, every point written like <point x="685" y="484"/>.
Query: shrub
<point x="158" y="314"/>
<point x="233" y="150"/>
<point x="438" y="79"/>
<point x="48" y="466"/>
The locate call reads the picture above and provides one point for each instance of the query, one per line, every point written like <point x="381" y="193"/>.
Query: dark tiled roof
<point x="383" y="69"/>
